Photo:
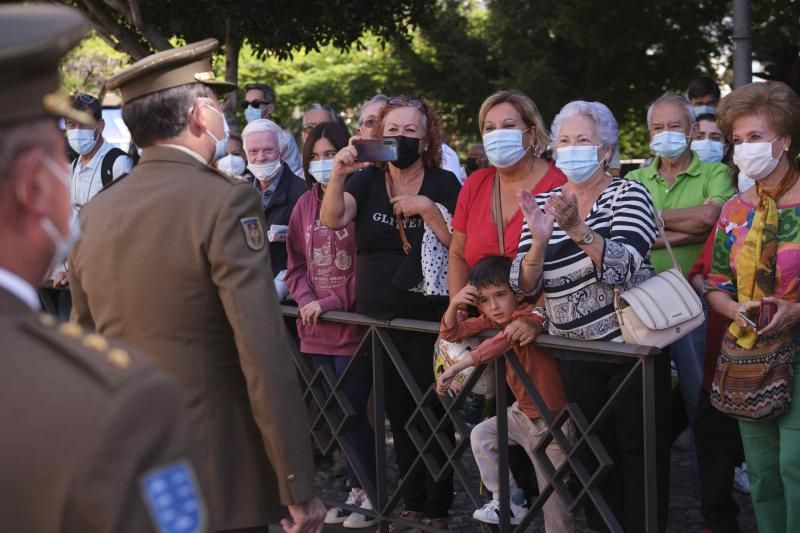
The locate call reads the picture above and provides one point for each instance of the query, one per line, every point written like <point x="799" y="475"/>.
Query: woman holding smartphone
<point x="392" y="205"/>
<point x="754" y="281"/>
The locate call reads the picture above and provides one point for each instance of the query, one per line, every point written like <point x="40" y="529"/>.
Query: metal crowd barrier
<point x="330" y="412"/>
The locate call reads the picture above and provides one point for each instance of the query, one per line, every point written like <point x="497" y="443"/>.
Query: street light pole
<point x="742" y="43"/>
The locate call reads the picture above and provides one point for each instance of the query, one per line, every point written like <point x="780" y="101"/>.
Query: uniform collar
<point x="693" y="170"/>
<point x="188" y="151"/>
<point x="20" y="288"/>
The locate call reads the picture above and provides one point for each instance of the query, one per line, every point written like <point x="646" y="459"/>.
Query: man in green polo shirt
<point x="688" y="195"/>
<point x="687" y="192"/>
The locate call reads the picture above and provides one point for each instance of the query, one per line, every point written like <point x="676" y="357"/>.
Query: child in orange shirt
<point x="488" y="289"/>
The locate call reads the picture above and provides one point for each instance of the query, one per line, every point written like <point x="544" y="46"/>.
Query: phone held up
<point x="378" y="150"/>
<point x="765" y="313"/>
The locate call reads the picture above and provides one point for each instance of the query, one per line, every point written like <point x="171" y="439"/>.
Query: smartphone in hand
<point x="377" y="150"/>
<point x="765" y="313"/>
<point x="749" y="321"/>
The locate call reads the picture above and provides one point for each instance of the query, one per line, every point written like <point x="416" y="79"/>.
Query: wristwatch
<point x="587" y="239"/>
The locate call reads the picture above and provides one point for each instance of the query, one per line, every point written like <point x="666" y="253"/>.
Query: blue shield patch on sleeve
<point x="174" y="499"/>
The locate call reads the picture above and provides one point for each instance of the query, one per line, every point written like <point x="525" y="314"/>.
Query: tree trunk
<point x="233" y="43"/>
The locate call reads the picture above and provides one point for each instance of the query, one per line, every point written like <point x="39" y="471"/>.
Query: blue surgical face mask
<point x="669" y="144"/>
<point x="252" y="113"/>
<point x="221" y="145"/>
<point x="82" y="141"/>
<point x="321" y="170"/>
<point x="704" y="110"/>
<point x="578" y="163"/>
<point x="504" y="147"/>
<point x="708" y="150"/>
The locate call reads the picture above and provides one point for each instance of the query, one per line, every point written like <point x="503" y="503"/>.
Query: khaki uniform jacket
<point x="173" y="260"/>
<point x="84" y="422"/>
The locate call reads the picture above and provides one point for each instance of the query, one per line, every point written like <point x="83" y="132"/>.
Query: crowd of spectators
<point x="534" y="233"/>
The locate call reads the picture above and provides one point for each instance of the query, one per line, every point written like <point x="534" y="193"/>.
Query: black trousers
<point x="590" y="385"/>
<point x="719" y="450"/>
<point x="422" y="493"/>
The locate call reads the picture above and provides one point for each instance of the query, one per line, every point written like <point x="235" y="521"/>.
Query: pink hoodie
<point x="321" y="266"/>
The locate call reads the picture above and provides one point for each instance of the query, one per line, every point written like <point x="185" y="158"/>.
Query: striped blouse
<point x="579" y="296"/>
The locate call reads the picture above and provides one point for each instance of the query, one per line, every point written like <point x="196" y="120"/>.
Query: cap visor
<point x="58" y="105"/>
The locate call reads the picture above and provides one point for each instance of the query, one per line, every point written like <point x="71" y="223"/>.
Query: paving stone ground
<point x="684" y="510"/>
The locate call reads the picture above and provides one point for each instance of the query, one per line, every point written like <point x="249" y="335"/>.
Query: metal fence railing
<point x="430" y="424"/>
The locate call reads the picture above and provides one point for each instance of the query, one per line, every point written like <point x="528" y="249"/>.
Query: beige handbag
<point x="661" y="310"/>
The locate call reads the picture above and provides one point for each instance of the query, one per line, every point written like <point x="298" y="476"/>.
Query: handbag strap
<point x="400" y="219"/>
<point x="659" y="225"/>
<point x="497" y="213"/>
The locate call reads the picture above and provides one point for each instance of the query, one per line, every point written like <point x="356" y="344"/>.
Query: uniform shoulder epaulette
<point x="108" y="363"/>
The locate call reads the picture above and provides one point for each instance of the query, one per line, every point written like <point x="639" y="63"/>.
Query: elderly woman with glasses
<point x="755" y="272"/>
<point x="579" y="241"/>
<point x="398" y="208"/>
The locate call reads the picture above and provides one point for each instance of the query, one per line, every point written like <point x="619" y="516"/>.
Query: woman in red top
<point x="514" y="138"/>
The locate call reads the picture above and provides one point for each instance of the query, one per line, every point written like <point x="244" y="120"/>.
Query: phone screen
<point x="749" y="321"/>
<point x="376" y="150"/>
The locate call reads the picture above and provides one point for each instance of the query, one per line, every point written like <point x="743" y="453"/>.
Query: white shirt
<point x="86" y="180"/>
<point x="451" y="162"/>
<point x="19" y="288"/>
<point x="291" y="154"/>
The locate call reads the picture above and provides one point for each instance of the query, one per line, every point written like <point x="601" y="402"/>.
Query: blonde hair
<point x="527" y="110"/>
<point x="774" y="100"/>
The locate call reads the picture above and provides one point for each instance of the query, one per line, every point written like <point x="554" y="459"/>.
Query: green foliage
<point x="86" y="68"/>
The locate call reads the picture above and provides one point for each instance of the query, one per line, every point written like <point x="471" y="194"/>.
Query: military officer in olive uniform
<point x="173" y="260"/>
<point x="95" y="438"/>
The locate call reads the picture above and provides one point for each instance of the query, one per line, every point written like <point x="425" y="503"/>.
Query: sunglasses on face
<point x="255" y="103"/>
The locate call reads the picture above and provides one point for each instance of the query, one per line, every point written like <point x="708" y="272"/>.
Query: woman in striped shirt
<point x="578" y="243"/>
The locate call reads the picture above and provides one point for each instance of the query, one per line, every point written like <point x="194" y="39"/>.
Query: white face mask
<point x="755" y="159"/>
<point x="82" y="141"/>
<point x="62" y="244"/>
<point x="220" y="145"/>
<point x="232" y="164"/>
<point x="265" y="171"/>
<point x="708" y="150"/>
<point x="321" y="170"/>
<point x="578" y="163"/>
<point x="504" y="147"/>
<point x="745" y="182"/>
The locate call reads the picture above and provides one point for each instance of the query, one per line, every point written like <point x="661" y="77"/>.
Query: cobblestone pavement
<point x="684" y="509"/>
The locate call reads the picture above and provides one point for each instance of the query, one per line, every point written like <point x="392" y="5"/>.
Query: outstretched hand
<point x="539" y="222"/>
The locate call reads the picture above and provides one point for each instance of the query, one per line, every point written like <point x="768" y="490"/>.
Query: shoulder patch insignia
<point x="173" y="498"/>
<point x="253" y="232"/>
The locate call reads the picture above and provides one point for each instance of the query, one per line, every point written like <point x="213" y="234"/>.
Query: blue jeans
<point x="358" y="435"/>
<point x="688" y="354"/>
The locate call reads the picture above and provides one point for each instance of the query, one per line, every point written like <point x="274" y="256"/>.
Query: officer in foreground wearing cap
<point x="173" y="259"/>
<point x="95" y="437"/>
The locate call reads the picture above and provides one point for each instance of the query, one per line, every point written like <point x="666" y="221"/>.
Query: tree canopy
<point x="457" y="52"/>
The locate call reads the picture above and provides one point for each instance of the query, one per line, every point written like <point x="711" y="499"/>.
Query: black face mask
<point x="407" y="150"/>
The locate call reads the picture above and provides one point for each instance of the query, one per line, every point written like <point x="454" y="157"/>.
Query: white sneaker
<point x="359" y="520"/>
<point x="490" y="513"/>
<point x="337" y="515"/>
<point x="741" y="481"/>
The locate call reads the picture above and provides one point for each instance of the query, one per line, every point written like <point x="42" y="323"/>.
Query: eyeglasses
<point x="406" y="101"/>
<point x="84" y="98"/>
<point x="308" y="128"/>
<point x="255" y="104"/>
